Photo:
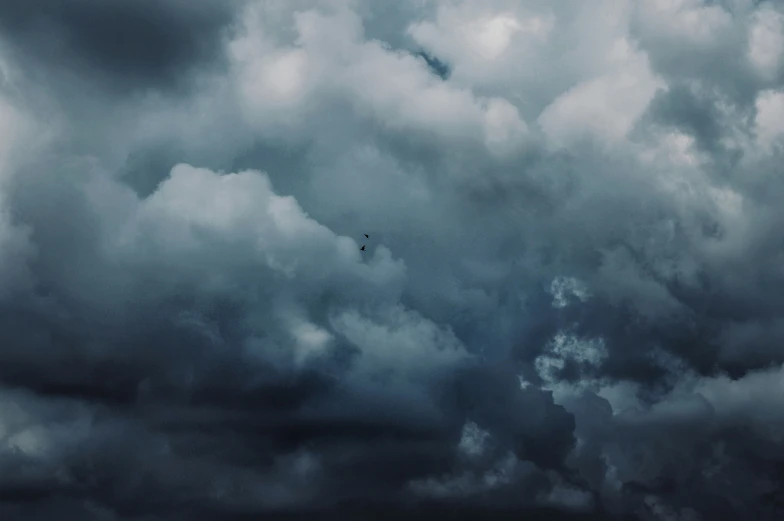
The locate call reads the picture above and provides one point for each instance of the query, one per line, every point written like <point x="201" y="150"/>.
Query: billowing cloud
<point x="568" y="305"/>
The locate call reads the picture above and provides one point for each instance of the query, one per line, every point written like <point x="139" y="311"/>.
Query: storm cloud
<point x="569" y="307"/>
<point x="126" y="45"/>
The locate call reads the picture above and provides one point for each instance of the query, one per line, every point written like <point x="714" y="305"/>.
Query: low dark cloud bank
<point x="570" y="306"/>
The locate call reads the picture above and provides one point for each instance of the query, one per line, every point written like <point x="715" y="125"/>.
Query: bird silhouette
<point x="367" y="236"/>
<point x="362" y="248"/>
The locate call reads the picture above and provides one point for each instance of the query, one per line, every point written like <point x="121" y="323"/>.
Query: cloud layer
<point x="569" y="306"/>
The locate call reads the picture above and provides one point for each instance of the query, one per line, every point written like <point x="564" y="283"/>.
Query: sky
<point x="570" y="305"/>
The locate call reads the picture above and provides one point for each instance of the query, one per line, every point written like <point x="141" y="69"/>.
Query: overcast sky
<point x="571" y="303"/>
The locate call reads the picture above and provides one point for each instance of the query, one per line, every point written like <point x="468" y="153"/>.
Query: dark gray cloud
<point x="569" y="303"/>
<point x="126" y="46"/>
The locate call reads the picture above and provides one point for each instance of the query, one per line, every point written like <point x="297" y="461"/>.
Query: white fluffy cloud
<point x="769" y="126"/>
<point x="331" y="63"/>
<point x="766" y="41"/>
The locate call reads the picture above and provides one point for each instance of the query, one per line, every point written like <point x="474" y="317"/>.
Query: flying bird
<point x="367" y="236"/>
<point x="362" y="248"/>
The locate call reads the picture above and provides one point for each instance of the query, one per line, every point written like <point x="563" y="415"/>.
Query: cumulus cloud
<point x="568" y="306"/>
